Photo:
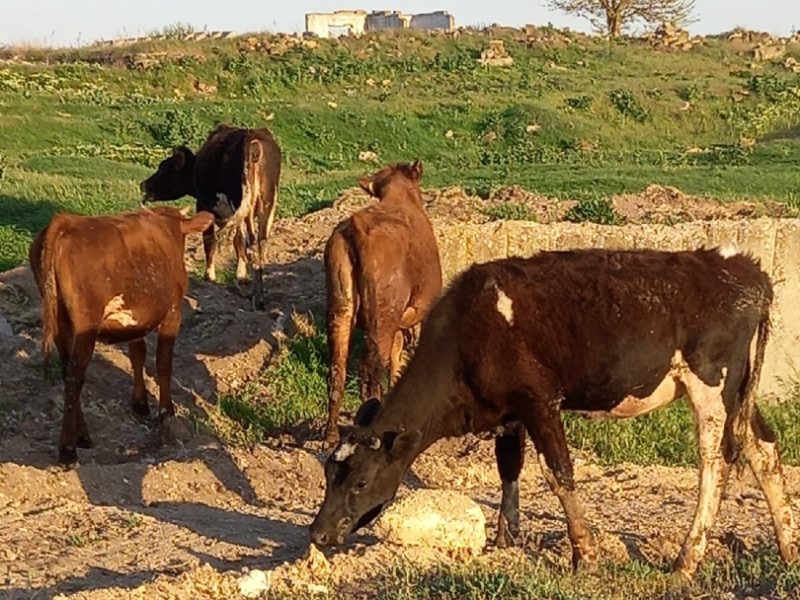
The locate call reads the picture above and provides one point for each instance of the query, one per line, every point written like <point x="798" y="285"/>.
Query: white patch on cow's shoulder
<point x="116" y="310"/>
<point x="505" y="306"/>
<point x="728" y="250"/>
<point x="344" y="451"/>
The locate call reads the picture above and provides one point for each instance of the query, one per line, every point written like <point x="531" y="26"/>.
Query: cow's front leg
<point x="138" y="353"/>
<point x="509" y="450"/>
<point x="540" y="414"/>
<point x="167" y="332"/>
<point x="73" y="425"/>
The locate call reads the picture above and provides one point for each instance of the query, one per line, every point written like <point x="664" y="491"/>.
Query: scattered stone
<point x="253" y="584"/>
<point x="670" y="36"/>
<point x="450" y="134"/>
<point x="367" y="156"/>
<point x="496" y="55"/>
<point x="767" y="52"/>
<point x="792" y="64"/>
<point x="434" y="518"/>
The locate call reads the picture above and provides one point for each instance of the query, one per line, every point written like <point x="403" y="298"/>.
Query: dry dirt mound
<point x="656" y="204"/>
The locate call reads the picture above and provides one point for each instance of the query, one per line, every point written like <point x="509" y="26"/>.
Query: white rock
<point x="433" y="518"/>
<point x="253" y="584"/>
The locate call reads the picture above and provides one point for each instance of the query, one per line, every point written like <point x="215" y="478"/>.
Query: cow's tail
<point x="48" y="284"/>
<point x="747" y="410"/>
<point x="754" y="371"/>
<point x="252" y="192"/>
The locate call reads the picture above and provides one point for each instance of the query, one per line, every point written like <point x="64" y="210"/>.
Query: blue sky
<point x="69" y="22"/>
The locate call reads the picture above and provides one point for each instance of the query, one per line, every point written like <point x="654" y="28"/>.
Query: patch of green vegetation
<point x="667" y="436"/>
<point x="594" y="210"/>
<point x="291" y="392"/>
<point x="509" y="211"/>
<point x="79" y="128"/>
<point x="757" y="574"/>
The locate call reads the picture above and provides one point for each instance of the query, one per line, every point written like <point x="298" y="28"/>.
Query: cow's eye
<point x="361" y="485"/>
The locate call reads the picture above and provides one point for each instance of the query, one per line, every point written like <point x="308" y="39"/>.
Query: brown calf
<point x="382" y="273"/>
<point x="112" y="279"/>
<point x="515" y="342"/>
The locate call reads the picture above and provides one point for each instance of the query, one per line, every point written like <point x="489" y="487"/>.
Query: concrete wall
<point x="776" y="242"/>
<point x="435" y="20"/>
<point x="386" y="20"/>
<point x="320" y="24"/>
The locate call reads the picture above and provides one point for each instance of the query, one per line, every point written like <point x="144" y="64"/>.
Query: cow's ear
<point x="200" y="222"/>
<point x="402" y="444"/>
<point x="367" y="185"/>
<point x="180" y="158"/>
<point x="416" y="170"/>
<point x="367" y="412"/>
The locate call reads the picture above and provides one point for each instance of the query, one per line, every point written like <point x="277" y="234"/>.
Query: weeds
<point x="594" y="210"/>
<point x="509" y="211"/>
<point x="760" y="573"/>
<point x="627" y="105"/>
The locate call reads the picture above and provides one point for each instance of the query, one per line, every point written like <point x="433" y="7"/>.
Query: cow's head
<point x="173" y="179"/>
<point x="405" y="174"/>
<point x="362" y="475"/>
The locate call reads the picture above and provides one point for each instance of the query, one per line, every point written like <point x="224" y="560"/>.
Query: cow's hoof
<point x="68" y="457"/>
<point x="85" y="442"/>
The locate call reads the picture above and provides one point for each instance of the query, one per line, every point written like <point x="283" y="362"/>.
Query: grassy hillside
<point x="573" y="117"/>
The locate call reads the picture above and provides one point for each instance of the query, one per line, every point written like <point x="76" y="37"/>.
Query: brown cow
<point x="599" y="332"/>
<point x="114" y="279"/>
<point x="382" y="273"/>
<point x="234" y="176"/>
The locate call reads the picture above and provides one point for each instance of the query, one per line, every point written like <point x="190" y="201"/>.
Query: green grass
<point x="79" y="129"/>
<point x="291" y="392"/>
<point x="758" y="574"/>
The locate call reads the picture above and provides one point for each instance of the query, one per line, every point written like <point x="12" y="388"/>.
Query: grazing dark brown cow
<point x="605" y="333"/>
<point x="113" y="279"/>
<point x="382" y="273"/>
<point x="234" y="176"/>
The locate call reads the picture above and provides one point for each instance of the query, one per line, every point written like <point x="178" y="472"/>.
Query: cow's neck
<point x="430" y="397"/>
<point x="401" y="194"/>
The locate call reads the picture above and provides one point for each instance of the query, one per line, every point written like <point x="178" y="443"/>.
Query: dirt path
<point x="147" y="515"/>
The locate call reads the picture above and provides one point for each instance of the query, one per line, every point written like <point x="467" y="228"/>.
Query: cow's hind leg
<point x="138" y="353"/>
<point x="73" y="426"/>
<point x="241" y="256"/>
<point x="540" y="415"/>
<point x="710" y="414"/>
<point x="167" y="332"/>
<point x="341" y="315"/>
<point x="210" y="250"/>
<point x="509" y="450"/>
<point x="761" y="450"/>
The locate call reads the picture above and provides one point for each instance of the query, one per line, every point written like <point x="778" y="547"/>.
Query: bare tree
<point x="611" y="16"/>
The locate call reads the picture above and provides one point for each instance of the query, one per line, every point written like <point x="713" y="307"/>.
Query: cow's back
<point x="220" y="163"/>
<point x="131" y="265"/>
<point x="604" y="321"/>
<point x="395" y="242"/>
